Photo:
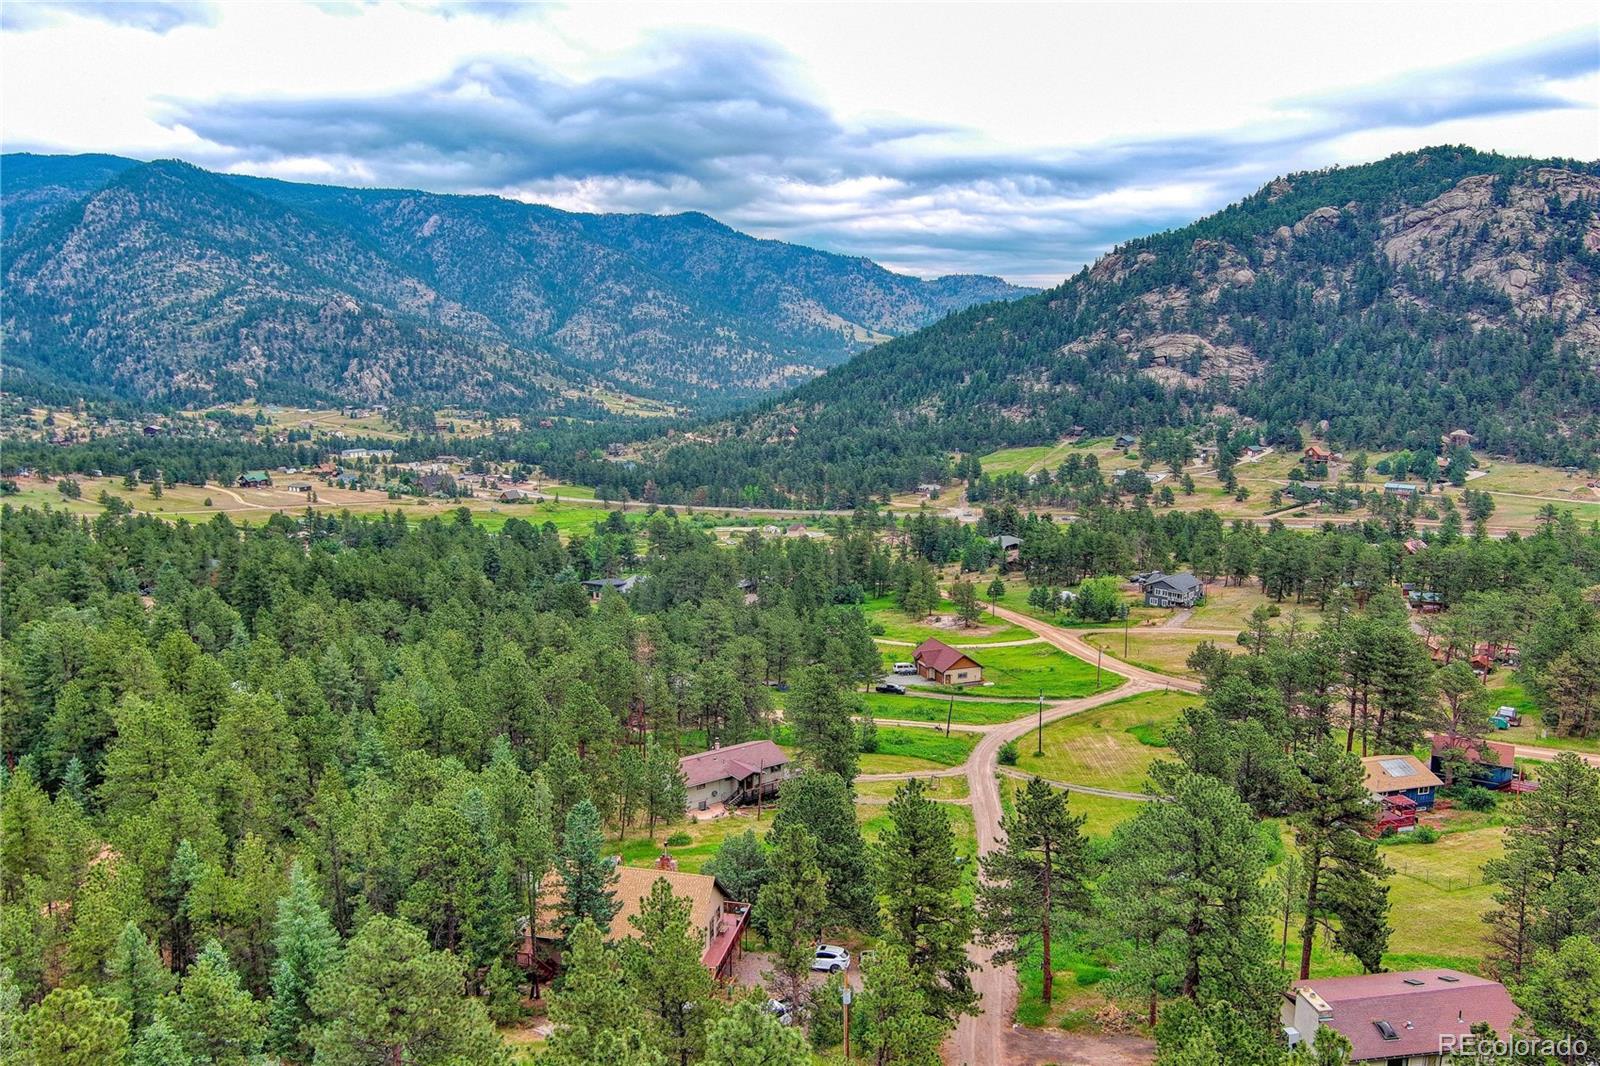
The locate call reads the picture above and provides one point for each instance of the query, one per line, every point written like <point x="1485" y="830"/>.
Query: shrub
<point x="1479" y="799"/>
<point x="1008" y="753"/>
<point x="679" y="839"/>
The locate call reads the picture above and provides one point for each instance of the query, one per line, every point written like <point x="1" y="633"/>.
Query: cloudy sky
<point x="1020" y="140"/>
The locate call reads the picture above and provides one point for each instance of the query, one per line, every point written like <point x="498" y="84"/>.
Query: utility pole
<point x="1124" y="632"/>
<point x="844" y="999"/>
<point x="1099" y="654"/>
<point x="1040" y="745"/>
<point x="949" y="714"/>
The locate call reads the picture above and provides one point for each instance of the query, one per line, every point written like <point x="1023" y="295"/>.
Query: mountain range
<point x="167" y="283"/>
<point x="1437" y="289"/>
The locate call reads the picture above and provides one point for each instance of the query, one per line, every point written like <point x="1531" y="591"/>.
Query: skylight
<point x="1386" y="1031"/>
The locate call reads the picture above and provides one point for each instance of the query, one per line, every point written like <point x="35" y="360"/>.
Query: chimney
<point x="716" y="745"/>
<point x="666" y="862"/>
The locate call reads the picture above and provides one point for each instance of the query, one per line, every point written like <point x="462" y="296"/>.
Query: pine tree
<point x="215" y="1017"/>
<point x="73" y="1027"/>
<point x="740" y="865"/>
<point x="791" y="905"/>
<point x="747" y="1034"/>
<point x="1344" y="875"/>
<point x="1561" y="994"/>
<point x="662" y="964"/>
<point x="305" y="946"/>
<point x="1034" y="884"/>
<point x="822" y="805"/>
<point x="137" y="978"/>
<point x="898" y="1028"/>
<point x="587" y="876"/>
<point x="592" y="1003"/>
<point x="822" y="713"/>
<point x="920" y="883"/>
<point x="159" y="1045"/>
<point x="391" y="998"/>
<point x="666" y="790"/>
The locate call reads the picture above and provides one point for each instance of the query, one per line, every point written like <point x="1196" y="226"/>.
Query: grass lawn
<point x="1106" y="747"/>
<point x="1101" y="814"/>
<point x="944" y="788"/>
<point x="1154" y="649"/>
<point x="1032" y="669"/>
<point x="705" y="837"/>
<point x="922" y="709"/>
<point x="1504" y="688"/>
<point x="1227" y="607"/>
<point x="922" y="745"/>
<point x="1437" y="897"/>
<point x="898" y="626"/>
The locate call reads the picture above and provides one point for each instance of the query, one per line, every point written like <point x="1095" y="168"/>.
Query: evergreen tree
<point x="822" y="714"/>
<point x="1034" y="883"/>
<point x="1561" y="993"/>
<point x="665" y="788"/>
<point x="391" y="998"/>
<point x="305" y="946"/>
<point x="747" y="1034"/>
<point x="137" y="979"/>
<point x="822" y="804"/>
<point x="214" y="1015"/>
<point x="587" y="876"/>
<point x="919" y="879"/>
<point x="792" y="904"/>
<point x="1344" y="875"/>
<point x="898" y="1028"/>
<point x="73" y="1027"/>
<point x="740" y="865"/>
<point x="593" y="1004"/>
<point x="159" y="1045"/>
<point x="663" y="968"/>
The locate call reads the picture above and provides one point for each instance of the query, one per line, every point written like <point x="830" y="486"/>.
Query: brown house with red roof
<point x="944" y="665"/>
<point x="1413" y="1018"/>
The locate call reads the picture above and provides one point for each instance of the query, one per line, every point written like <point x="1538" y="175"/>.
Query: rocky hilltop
<point x="164" y="281"/>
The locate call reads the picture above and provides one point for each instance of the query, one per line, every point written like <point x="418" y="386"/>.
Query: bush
<point x="1008" y="753"/>
<point x="1479" y="799"/>
<point x="679" y="839"/>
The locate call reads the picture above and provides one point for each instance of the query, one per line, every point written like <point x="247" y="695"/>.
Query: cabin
<point x="1456" y="438"/>
<point x="734" y="775"/>
<point x="1494" y="765"/>
<point x="944" y="665"/>
<point x="299" y="486"/>
<point x="1124" y="442"/>
<point x="1315" y="454"/>
<point x="930" y="489"/>
<point x="1414" y="546"/>
<point x="1400" y="775"/>
<point x="719" y="920"/>
<point x="517" y="495"/>
<point x="1409" y="1018"/>
<point x="1010" y="547"/>
<point x="597" y="586"/>
<point x="255" y="479"/>
<point x="1405" y="490"/>
<point x="1426" y="601"/>
<point x="1173" y="590"/>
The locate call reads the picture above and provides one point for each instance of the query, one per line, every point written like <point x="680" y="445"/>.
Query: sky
<point x="1022" y="140"/>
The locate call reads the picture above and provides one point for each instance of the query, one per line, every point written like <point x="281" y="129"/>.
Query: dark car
<point x="892" y="688"/>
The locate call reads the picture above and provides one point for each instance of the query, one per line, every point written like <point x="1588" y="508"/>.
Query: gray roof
<point x="1176" y="582"/>
<point x="1006" y="541"/>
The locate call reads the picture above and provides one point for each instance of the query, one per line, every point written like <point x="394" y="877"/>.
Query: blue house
<point x="1400" y="775"/>
<point x="1494" y="765"/>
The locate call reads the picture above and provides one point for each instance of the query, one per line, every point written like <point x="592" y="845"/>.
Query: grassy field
<point x="898" y="626"/>
<point x="1154" y="649"/>
<point x="1437" y="897"/>
<point x="1032" y="669"/>
<point x="1101" y="814"/>
<point x="1505" y="688"/>
<point x="1228" y="606"/>
<point x="918" y="749"/>
<point x="1111" y="746"/>
<point x="970" y="712"/>
<point x="705" y="837"/>
<point x="944" y="788"/>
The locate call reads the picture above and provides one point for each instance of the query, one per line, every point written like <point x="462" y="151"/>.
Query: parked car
<point x="892" y="689"/>
<point x="830" y="959"/>
<point x="905" y="669"/>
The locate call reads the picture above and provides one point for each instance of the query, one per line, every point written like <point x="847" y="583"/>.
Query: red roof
<point x="1497" y="754"/>
<point x="737" y="761"/>
<point x="1440" y="1003"/>
<point x="939" y="655"/>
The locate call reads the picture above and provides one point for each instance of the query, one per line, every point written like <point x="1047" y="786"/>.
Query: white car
<point x="830" y="959"/>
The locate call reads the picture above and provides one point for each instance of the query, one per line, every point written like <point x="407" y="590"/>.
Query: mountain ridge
<point x="677" y="307"/>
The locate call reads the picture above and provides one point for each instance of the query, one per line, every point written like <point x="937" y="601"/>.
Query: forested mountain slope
<point x="176" y="284"/>
<point x="1434" y="289"/>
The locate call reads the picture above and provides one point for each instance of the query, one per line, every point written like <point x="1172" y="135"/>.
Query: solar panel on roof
<point x="1396" y="767"/>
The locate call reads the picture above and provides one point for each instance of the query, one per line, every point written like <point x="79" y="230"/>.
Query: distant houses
<point x="598" y="586"/>
<point x="1413" y="1017"/>
<point x="944" y="665"/>
<point x="1400" y="775"/>
<point x="1405" y="490"/>
<point x="1010" y="547"/>
<point x="517" y="495"/>
<point x="255" y="479"/>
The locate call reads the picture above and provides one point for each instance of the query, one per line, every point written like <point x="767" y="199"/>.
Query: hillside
<point x="1394" y="300"/>
<point x="175" y="284"/>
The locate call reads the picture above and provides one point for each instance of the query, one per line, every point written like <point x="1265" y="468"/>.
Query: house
<point x="1409" y="1018"/>
<point x="154" y="430"/>
<point x="254" y="479"/>
<point x="1143" y="577"/>
<point x="1396" y="814"/>
<point x="930" y="489"/>
<point x="1404" y="775"/>
<point x="1010" y="547"/>
<point x="1456" y="438"/>
<point x="598" y="586"/>
<point x="436" y="485"/>
<point x="1124" y="442"/>
<point x="1426" y="601"/>
<point x="1315" y="454"/>
<point x="735" y="774"/>
<point x="944" y="665"/>
<point x="299" y="486"/>
<point x="1173" y="590"/>
<point x="719" y="919"/>
<point x="517" y="495"/>
<point x="1494" y="764"/>
<point x="1413" y="545"/>
<point x="1403" y="489"/>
